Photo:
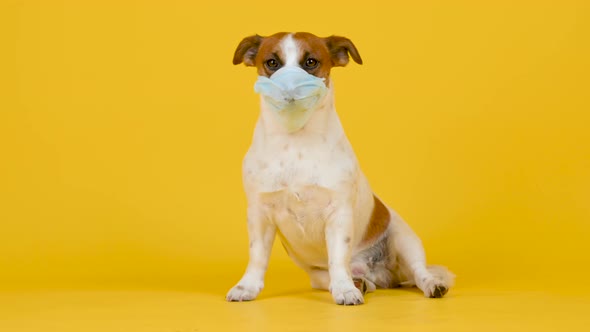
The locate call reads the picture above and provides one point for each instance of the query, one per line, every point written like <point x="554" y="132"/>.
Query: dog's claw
<point x="439" y="291"/>
<point x="348" y="296"/>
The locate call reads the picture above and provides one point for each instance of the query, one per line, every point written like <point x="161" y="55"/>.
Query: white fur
<point x="307" y="187"/>
<point x="291" y="51"/>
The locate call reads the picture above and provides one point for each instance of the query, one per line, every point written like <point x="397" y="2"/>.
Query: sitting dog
<point x="303" y="182"/>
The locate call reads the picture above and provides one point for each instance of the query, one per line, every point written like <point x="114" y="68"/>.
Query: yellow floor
<point x="289" y="305"/>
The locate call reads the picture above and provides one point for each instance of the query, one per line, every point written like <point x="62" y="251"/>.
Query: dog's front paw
<point x="345" y="293"/>
<point x="243" y="292"/>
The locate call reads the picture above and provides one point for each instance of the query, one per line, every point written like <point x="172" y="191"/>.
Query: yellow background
<point x="123" y="125"/>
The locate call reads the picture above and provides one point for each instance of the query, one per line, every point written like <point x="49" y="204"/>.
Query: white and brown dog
<point x="304" y="183"/>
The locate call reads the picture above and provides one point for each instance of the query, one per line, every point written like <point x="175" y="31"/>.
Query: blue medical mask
<point x="292" y="94"/>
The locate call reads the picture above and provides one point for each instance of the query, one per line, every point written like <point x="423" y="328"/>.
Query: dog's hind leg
<point x="369" y="267"/>
<point x="433" y="280"/>
<point x="361" y="276"/>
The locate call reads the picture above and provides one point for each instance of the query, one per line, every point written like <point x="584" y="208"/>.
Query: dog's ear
<point x="339" y="48"/>
<point x="247" y="50"/>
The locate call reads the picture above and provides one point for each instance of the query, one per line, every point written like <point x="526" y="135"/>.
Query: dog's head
<point x="313" y="54"/>
<point x="294" y="71"/>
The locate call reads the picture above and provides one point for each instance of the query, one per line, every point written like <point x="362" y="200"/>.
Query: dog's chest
<point x="282" y="163"/>
<point x="300" y="214"/>
<point x="297" y="184"/>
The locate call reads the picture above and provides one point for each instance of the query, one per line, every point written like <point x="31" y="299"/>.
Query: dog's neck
<point x="323" y="121"/>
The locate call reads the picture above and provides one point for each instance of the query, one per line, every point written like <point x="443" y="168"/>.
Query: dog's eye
<point x="311" y="63"/>
<point x="272" y="64"/>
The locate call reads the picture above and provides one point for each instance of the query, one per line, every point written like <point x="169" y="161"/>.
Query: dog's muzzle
<point x="292" y="93"/>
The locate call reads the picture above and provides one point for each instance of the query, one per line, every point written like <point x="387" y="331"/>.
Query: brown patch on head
<point x="270" y="49"/>
<point x="317" y="55"/>
<point x="314" y="55"/>
<point x="247" y="49"/>
<point x="378" y="224"/>
<point x="339" y="48"/>
<point x="255" y="50"/>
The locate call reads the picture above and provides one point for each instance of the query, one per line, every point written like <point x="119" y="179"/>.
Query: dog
<point x="303" y="183"/>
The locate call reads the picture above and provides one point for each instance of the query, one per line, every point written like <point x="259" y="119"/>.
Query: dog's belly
<point x="300" y="215"/>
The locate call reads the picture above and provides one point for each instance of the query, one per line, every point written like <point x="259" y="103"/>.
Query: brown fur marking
<point x="339" y="48"/>
<point x="270" y="48"/>
<point x="330" y="52"/>
<point x="247" y="49"/>
<point x="378" y="224"/>
<point x="314" y="47"/>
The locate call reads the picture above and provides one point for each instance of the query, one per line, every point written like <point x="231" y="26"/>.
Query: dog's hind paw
<point x="437" y="283"/>
<point x="434" y="289"/>
<point x="439" y="291"/>
<point x="360" y="284"/>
